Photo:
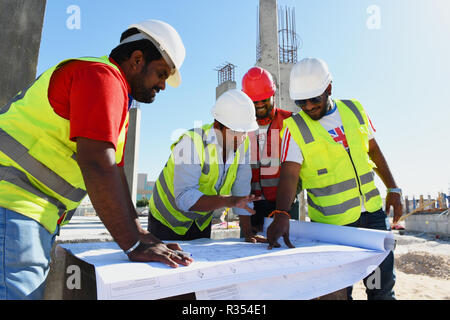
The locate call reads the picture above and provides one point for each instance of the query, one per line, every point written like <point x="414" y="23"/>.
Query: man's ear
<point x="329" y="89"/>
<point x="137" y="60"/>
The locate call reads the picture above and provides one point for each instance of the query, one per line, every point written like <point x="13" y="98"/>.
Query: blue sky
<point x="398" y="70"/>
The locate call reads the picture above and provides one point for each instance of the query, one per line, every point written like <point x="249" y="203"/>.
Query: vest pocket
<point x="316" y="162"/>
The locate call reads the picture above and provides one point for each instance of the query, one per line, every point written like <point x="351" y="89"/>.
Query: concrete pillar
<point x="21" y="24"/>
<point x="132" y="151"/>
<point x="286" y="103"/>
<point x="225" y="86"/>
<point x="268" y="40"/>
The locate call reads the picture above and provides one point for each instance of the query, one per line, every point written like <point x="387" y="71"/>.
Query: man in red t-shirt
<point x="91" y="98"/>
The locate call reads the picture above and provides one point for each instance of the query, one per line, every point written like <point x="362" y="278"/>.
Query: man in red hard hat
<point x="258" y="84"/>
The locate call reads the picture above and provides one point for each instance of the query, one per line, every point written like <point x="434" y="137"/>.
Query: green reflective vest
<point x="162" y="203"/>
<point x="336" y="180"/>
<point x="39" y="175"/>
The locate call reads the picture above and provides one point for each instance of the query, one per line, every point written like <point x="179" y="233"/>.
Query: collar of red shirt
<point x="121" y="72"/>
<point x="130" y="97"/>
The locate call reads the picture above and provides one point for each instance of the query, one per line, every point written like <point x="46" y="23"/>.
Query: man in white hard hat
<point x="64" y="137"/>
<point x="330" y="146"/>
<point x="208" y="169"/>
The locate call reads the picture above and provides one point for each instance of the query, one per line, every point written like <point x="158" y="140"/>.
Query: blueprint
<point x="325" y="259"/>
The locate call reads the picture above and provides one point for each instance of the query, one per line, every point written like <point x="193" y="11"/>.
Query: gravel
<point x="423" y="263"/>
<point x="423" y="254"/>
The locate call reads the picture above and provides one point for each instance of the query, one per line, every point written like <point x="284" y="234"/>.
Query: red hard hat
<point x="258" y="84"/>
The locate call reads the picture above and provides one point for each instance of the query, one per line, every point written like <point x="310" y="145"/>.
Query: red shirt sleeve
<point x="93" y="97"/>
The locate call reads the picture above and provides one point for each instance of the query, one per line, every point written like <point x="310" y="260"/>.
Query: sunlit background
<point x="390" y="55"/>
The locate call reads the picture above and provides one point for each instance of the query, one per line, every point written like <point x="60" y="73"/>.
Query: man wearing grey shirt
<point x="209" y="169"/>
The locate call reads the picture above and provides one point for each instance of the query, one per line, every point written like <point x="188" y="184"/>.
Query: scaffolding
<point x="258" y="40"/>
<point x="225" y="72"/>
<point x="288" y="41"/>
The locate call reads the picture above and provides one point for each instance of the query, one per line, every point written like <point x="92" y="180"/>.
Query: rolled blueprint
<point x="356" y="237"/>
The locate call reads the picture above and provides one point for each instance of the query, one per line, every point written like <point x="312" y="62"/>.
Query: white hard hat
<point x="235" y="110"/>
<point x="168" y="42"/>
<point x="309" y="79"/>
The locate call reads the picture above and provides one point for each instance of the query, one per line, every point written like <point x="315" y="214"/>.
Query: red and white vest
<point x="266" y="164"/>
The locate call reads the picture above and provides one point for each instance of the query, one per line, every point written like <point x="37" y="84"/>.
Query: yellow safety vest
<point x="335" y="179"/>
<point x="39" y="175"/>
<point x="162" y="203"/>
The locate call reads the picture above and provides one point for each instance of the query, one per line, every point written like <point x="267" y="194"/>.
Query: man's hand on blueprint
<point x="160" y="252"/>
<point x="279" y="227"/>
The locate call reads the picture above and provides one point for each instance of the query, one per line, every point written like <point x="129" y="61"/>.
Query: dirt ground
<point x="422" y="266"/>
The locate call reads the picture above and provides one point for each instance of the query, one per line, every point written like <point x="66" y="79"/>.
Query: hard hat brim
<point x="312" y="93"/>
<point x="251" y="127"/>
<point x="174" y="80"/>
<point x="261" y="97"/>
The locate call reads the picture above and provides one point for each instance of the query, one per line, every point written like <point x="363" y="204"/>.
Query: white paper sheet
<point x="248" y="267"/>
<point x="322" y="280"/>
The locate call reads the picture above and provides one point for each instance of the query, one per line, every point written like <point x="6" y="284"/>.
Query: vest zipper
<point x="357" y="177"/>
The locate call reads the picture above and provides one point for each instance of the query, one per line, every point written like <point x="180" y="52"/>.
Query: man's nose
<point x="309" y="105"/>
<point x="162" y="85"/>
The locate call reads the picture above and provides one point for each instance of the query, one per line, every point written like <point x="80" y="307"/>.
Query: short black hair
<point x="124" y="51"/>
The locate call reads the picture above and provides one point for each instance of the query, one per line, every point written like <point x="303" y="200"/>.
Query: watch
<point x="394" y="190"/>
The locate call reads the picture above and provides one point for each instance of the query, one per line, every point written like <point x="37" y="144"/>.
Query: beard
<point x="265" y="112"/>
<point x="139" y="91"/>
<point x="326" y="107"/>
<point x="142" y="94"/>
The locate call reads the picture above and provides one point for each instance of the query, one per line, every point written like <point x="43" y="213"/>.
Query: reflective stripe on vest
<point x="162" y="203"/>
<point x="43" y="180"/>
<point x="17" y="152"/>
<point x="339" y="202"/>
<point x="20" y="179"/>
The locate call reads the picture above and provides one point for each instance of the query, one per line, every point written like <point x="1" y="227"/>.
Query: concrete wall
<point x="21" y="28"/>
<point x="429" y="223"/>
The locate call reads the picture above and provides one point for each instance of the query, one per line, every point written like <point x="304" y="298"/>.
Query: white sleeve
<point x="187" y="172"/>
<point x="290" y="151"/>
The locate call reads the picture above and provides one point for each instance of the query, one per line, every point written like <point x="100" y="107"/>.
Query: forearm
<point x="287" y="185"/>
<point x="130" y="200"/>
<point x="108" y="194"/>
<point x="209" y="203"/>
<point x="382" y="168"/>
